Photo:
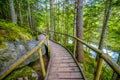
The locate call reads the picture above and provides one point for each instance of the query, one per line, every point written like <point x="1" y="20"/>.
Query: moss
<point x="12" y="32"/>
<point x="20" y="73"/>
<point x="2" y="45"/>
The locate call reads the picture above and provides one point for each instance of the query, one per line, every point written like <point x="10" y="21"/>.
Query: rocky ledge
<point x="14" y="50"/>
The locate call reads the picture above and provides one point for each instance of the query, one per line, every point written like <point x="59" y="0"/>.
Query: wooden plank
<point x="65" y="75"/>
<point x="63" y="55"/>
<point x="64" y="64"/>
<point x="62" y="61"/>
<point x="63" y="69"/>
<point x="63" y="58"/>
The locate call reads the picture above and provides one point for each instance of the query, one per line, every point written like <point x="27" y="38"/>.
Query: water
<point x="114" y="55"/>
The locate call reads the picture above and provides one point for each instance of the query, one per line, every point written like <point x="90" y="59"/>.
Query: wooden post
<point x="98" y="69"/>
<point x="74" y="53"/>
<point x="48" y="48"/>
<point x="41" y="62"/>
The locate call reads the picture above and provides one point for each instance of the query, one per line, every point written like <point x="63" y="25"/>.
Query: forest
<point x="95" y="22"/>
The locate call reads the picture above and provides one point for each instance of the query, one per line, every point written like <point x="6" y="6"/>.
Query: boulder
<point x="15" y="50"/>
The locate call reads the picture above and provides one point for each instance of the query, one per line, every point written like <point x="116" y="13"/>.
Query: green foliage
<point x="93" y="20"/>
<point x="105" y="71"/>
<point x="113" y="35"/>
<point x="93" y="16"/>
<point x="89" y="66"/>
<point x="12" y="32"/>
<point x="20" y="73"/>
<point x="64" y="13"/>
<point x="69" y="46"/>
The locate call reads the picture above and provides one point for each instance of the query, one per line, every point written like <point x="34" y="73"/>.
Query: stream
<point x="114" y="55"/>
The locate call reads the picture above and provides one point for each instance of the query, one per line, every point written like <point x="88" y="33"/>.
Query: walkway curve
<point x="62" y="65"/>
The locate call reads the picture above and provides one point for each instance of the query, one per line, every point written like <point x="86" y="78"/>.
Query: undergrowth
<point x="12" y="32"/>
<point x="20" y="73"/>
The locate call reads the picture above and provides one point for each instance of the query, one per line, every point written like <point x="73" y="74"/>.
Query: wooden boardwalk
<point x="62" y="65"/>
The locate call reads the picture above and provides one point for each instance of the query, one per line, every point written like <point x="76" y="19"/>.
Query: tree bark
<point x="29" y="14"/>
<point x="47" y="22"/>
<point x="103" y="34"/>
<point x="74" y="28"/>
<point x="12" y="10"/>
<point x="79" y="30"/>
<point x="66" y="20"/>
<point x="19" y="12"/>
<point x="105" y="25"/>
<point x="52" y="28"/>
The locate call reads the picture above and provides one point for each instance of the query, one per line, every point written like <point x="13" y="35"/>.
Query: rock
<point x="14" y="50"/>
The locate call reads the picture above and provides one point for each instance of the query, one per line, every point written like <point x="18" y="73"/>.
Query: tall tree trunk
<point x="79" y="30"/>
<point x="105" y="25"/>
<point x="47" y="22"/>
<point x="66" y="20"/>
<point x="29" y="14"/>
<point x="55" y="19"/>
<point x="58" y="21"/>
<point x="103" y="34"/>
<point x="19" y="12"/>
<point x="52" y="28"/>
<point x="27" y="18"/>
<point x="63" y="22"/>
<point x="74" y="27"/>
<point x="12" y="10"/>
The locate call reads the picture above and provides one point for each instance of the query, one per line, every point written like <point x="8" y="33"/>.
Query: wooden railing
<point x="105" y="57"/>
<point x="26" y="56"/>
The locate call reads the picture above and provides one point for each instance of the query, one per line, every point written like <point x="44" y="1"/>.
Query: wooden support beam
<point x="74" y="51"/>
<point x="48" y="48"/>
<point x="98" y="69"/>
<point x="42" y="62"/>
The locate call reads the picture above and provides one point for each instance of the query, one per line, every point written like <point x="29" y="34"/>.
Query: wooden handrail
<point x="109" y="61"/>
<point x="24" y="57"/>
